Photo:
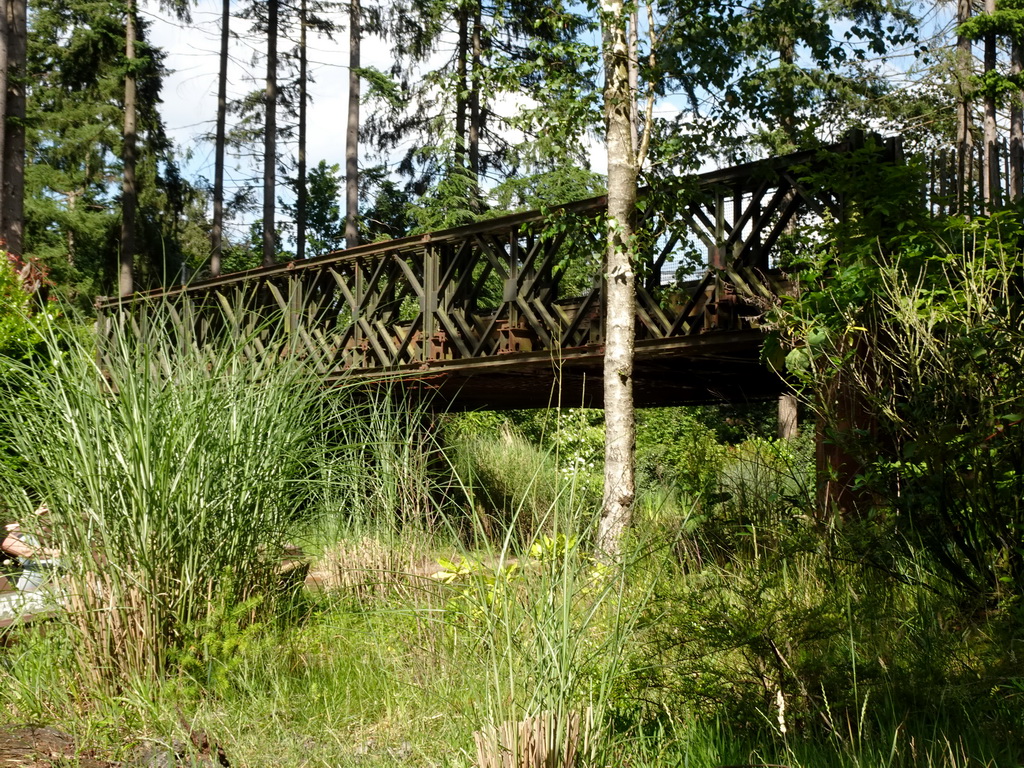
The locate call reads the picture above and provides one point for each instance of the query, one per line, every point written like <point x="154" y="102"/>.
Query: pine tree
<point x="270" y="138"/>
<point x="220" y="143"/>
<point x="528" y="50"/>
<point x="129" y="189"/>
<point x="352" y="131"/>
<point x="12" y="199"/>
<point x="76" y="70"/>
<point x="325" y="230"/>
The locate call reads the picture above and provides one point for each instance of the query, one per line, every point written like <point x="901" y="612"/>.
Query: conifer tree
<point x="352" y="130"/>
<point x="12" y="199"/>
<point x="129" y="190"/>
<point x="76" y="67"/>
<point x="220" y="143"/>
<point x="449" y="116"/>
<point x="270" y="139"/>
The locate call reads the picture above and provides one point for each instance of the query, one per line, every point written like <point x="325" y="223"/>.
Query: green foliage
<point x="774" y="477"/>
<point x="675" y="448"/>
<point x="547" y="189"/>
<point x="906" y="338"/>
<point x="164" y="469"/>
<point x="19" y="337"/>
<point x="221" y="642"/>
<point x="449" y="203"/>
<point x="514" y="486"/>
<point x="749" y="633"/>
<point x="549" y="631"/>
<point x="450" y="121"/>
<point x="385" y="206"/>
<point x="73" y="137"/>
<point x="325" y="229"/>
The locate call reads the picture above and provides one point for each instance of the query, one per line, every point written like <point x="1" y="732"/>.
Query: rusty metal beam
<point x="413" y="305"/>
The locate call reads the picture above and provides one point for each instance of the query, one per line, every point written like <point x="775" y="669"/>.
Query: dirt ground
<point x="34" y="747"/>
<point x="28" y="746"/>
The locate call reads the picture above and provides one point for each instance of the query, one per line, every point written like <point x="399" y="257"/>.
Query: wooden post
<point x="839" y="493"/>
<point x="788" y="424"/>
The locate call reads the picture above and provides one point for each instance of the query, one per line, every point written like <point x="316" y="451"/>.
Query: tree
<point x="129" y="190"/>
<point x="964" y="137"/>
<point x="12" y="201"/>
<point x="322" y="220"/>
<point x="276" y="115"/>
<point x="300" y="186"/>
<point x="797" y="84"/>
<point x="129" y="185"/>
<point x="385" y="206"/>
<point x="916" y="318"/>
<point x="450" y="119"/>
<point x="220" y="143"/>
<point x="270" y="138"/>
<point x="309" y="18"/>
<point x="352" y="129"/>
<point x="620" y="291"/>
<point x="76" y="69"/>
<point x="3" y="95"/>
<point x="998" y="83"/>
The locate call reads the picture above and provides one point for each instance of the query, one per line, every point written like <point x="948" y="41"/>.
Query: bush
<point x="910" y="350"/>
<point x="172" y="474"/>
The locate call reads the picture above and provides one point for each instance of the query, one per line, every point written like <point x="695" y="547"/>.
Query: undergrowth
<point x="453" y="590"/>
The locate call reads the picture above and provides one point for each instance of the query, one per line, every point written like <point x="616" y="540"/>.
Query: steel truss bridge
<point x="507" y="313"/>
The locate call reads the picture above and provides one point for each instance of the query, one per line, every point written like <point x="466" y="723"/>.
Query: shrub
<point x="172" y="474"/>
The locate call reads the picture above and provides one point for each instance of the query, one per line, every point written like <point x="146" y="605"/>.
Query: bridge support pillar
<point x="788" y="424"/>
<point x="837" y="443"/>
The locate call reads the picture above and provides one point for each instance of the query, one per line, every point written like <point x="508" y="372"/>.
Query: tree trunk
<point x="475" y="115"/>
<point x="270" y="140"/>
<point x="787" y="95"/>
<point x="461" y="102"/>
<point x="300" y="182"/>
<point x="634" y="75"/>
<point x="13" y="214"/>
<point x="787" y="412"/>
<point x="964" y="140"/>
<point x="1016" y="126"/>
<point x="352" y="136"/>
<point x="990" y="166"/>
<point x="129" y="189"/>
<point x="788" y="418"/>
<point x="3" y="96"/>
<point x="620" y="294"/>
<point x="217" y="230"/>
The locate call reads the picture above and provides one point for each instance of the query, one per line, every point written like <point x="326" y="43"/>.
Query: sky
<point x="190" y="91"/>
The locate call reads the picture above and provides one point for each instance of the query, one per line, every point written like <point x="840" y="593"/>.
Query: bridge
<point x="507" y="313"/>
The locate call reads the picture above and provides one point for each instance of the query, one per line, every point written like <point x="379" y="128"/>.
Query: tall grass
<point x="172" y="473"/>
<point x="473" y="624"/>
<point x="380" y="471"/>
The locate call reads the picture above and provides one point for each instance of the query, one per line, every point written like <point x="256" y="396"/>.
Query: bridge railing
<point x="521" y="285"/>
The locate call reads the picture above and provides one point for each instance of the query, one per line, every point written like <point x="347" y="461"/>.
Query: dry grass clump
<point x="547" y="740"/>
<point x="369" y="568"/>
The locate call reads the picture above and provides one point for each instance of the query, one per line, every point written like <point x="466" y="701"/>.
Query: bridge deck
<point x="508" y="312"/>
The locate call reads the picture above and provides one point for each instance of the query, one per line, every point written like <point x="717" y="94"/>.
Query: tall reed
<point x="384" y="469"/>
<point x="172" y="472"/>
<point x="543" y="620"/>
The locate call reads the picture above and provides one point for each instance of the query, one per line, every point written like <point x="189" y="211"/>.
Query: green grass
<point x="460" y="591"/>
<point x="173" y="476"/>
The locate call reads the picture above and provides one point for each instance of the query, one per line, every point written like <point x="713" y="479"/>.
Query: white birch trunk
<point x="620" y="294"/>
